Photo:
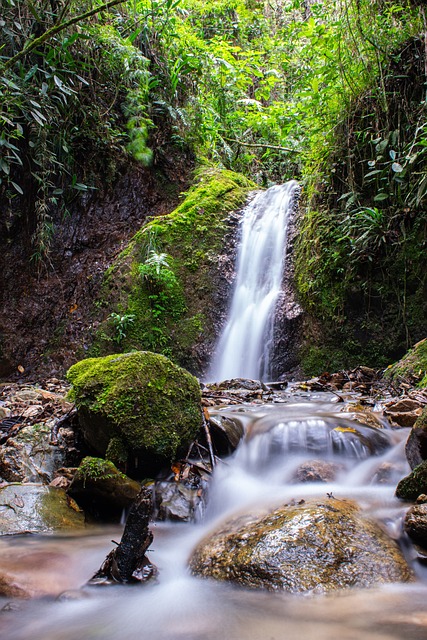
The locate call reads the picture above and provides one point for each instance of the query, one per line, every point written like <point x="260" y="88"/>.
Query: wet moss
<point x="140" y="399"/>
<point x="413" y="485"/>
<point x="412" y="368"/>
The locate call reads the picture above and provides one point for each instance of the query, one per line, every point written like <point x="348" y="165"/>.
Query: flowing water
<point x="262" y="473"/>
<point x="244" y="346"/>
<point x="182" y="607"/>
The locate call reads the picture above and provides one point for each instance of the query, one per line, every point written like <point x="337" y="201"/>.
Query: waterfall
<point x="245" y="344"/>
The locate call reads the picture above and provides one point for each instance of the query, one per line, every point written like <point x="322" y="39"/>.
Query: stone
<point x="98" y="486"/>
<point x="29" y="456"/>
<point x="226" y="433"/>
<point x="35" y="508"/>
<point x="415" y="524"/>
<point x="413" y="485"/>
<point x="178" y="501"/>
<point x="416" y="445"/>
<point x="388" y="473"/>
<point x="147" y="405"/>
<point x="318" y="546"/>
<point x="317" y="471"/>
<point x="404" y="413"/>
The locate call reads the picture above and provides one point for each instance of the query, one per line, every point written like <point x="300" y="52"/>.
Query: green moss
<point x="413" y="485"/>
<point x="170" y="316"/>
<point x="141" y="399"/>
<point x="96" y="469"/>
<point x="412" y="368"/>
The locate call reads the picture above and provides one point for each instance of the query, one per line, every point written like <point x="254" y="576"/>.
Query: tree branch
<point x="263" y="146"/>
<point x="56" y="29"/>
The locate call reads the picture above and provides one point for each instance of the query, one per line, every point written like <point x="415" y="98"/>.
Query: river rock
<point x="226" y="433"/>
<point x="34" y="508"/>
<point x="317" y="471"/>
<point x="404" y="413"/>
<point x="415" y="524"/>
<point x="317" y="546"/>
<point x="99" y="487"/>
<point x="29" y="456"/>
<point x="178" y="501"/>
<point x="413" y="485"/>
<point x="142" y="402"/>
<point x="416" y="445"/>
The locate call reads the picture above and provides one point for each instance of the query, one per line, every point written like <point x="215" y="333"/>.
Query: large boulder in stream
<point x="139" y="404"/>
<point x="315" y="546"/>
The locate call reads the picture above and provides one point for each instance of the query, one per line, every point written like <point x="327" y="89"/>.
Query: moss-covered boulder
<point x="314" y="546"/>
<point x="136" y="403"/>
<point x="413" y="485"/>
<point x="167" y="291"/>
<point x="412" y="368"/>
<point x="99" y="487"/>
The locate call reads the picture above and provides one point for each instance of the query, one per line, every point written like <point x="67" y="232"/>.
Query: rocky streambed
<point x="286" y="488"/>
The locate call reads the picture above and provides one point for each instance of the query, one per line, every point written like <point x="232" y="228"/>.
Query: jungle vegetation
<point x="333" y="93"/>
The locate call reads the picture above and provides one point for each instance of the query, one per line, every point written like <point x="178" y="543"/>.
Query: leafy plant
<point x="121" y="324"/>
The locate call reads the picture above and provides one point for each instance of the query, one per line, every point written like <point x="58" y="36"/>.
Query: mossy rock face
<point x="413" y="485"/>
<point x="412" y="368"/>
<point x="140" y="399"/>
<point x="176" y="308"/>
<point x="316" y="546"/>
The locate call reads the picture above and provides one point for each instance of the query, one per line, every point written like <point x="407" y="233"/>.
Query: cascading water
<point x="182" y="607"/>
<point x="244" y="347"/>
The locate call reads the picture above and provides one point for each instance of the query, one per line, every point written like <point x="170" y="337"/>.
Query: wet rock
<point x="404" y="413"/>
<point x="178" y="501"/>
<point x="309" y="547"/>
<point x="416" y="445"/>
<point x="99" y="487"/>
<point x="29" y="456"/>
<point x="31" y="571"/>
<point x="226" y="433"/>
<point x="415" y="524"/>
<point x="317" y="471"/>
<point x="365" y="416"/>
<point x="319" y="433"/>
<point x="238" y="383"/>
<point x="144" y="403"/>
<point x="34" y="508"/>
<point x="413" y="485"/>
<point x="388" y="473"/>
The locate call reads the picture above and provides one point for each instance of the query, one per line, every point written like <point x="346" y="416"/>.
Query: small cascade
<point x="244" y="347"/>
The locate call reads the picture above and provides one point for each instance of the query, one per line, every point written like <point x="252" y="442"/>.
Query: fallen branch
<point x="263" y="146"/>
<point x="128" y="562"/>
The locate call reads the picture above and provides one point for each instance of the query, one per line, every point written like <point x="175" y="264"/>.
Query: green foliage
<point x="121" y="325"/>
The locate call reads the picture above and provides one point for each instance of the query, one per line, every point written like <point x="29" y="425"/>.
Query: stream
<point x="180" y="606"/>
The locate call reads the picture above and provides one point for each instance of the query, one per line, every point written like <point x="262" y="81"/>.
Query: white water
<point x="182" y="607"/>
<point x="244" y="347"/>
